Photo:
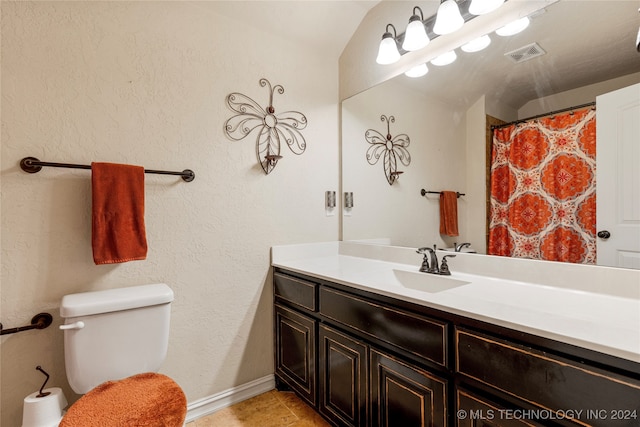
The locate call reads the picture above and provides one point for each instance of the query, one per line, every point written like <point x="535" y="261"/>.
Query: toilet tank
<point x="115" y="333"/>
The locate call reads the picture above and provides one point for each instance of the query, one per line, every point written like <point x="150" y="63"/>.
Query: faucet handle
<point x="444" y="267"/>
<point x="424" y="267"/>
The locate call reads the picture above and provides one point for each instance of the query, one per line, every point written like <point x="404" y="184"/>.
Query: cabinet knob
<point x="604" y="234"/>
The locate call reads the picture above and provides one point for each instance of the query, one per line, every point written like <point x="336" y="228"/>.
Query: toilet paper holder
<point x="42" y="393"/>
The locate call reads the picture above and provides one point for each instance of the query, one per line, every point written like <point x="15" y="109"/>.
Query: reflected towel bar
<point x="33" y="165"/>
<point x="424" y="192"/>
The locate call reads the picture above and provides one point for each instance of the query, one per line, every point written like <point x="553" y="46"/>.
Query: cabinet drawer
<point x="418" y="335"/>
<point x="295" y="291"/>
<point x="549" y="381"/>
<point x="473" y="410"/>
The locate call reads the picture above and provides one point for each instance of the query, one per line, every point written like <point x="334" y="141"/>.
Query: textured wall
<point x="144" y="83"/>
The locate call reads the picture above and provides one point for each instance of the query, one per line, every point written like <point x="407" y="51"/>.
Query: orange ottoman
<point x="148" y="399"/>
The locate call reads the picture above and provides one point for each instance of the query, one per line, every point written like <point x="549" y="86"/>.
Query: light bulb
<point x="445" y="59"/>
<point x="417" y="71"/>
<point x="388" y="51"/>
<point x="480" y="7"/>
<point x="514" y="27"/>
<point x="476" y="45"/>
<point x="415" y="36"/>
<point x="448" y="18"/>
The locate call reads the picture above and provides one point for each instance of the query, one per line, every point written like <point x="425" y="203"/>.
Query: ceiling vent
<point x="525" y="53"/>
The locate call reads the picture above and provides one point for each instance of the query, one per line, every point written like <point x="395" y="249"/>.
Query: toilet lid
<point x="148" y="399"/>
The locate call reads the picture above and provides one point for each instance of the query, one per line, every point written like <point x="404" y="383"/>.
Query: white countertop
<point x="574" y="309"/>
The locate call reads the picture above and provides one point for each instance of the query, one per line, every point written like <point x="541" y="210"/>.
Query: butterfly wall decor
<point x="391" y="149"/>
<point x="271" y="129"/>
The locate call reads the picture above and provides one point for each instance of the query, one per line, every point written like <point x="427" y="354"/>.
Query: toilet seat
<point x="148" y="399"/>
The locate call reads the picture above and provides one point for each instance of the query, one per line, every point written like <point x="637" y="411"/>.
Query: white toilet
<point x="114" y="343"/>
<point x="116" y="333"/>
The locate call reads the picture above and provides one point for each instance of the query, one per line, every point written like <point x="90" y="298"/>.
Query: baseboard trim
<point x="215" y="402"/>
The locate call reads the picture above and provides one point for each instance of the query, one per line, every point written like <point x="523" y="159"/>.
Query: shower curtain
<point x="543" y="193"/>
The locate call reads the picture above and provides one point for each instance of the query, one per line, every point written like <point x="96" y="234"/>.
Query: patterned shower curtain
<point x="543" y="193"/>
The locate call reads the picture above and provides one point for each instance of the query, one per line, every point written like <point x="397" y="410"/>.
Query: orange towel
<point x="449" y="213"/>
<point x="148" y="399"/>
<point x="118" y="232"/>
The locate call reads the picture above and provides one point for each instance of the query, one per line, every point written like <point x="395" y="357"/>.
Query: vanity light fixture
<point x="451" y="15"/>
<point x="445" y="59"/>
<point x="476" y="45"/>
<point x="480" y="7"/>
<point x="388" y="51"/>
<point x="448" y="18"/>
<point x="514" y="27"/>
<point x="417" y="71"/>
<point x="415" y="36"/>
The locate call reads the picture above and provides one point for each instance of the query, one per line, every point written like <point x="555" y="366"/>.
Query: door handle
<point x="604" y="234"/>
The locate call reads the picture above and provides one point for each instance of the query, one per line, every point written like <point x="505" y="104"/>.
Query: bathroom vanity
<point x="368" y="340"/>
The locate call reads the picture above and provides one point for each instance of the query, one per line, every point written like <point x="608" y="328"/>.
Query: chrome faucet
<point x="459" y="247"/>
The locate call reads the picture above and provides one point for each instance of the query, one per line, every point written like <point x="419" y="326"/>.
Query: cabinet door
<point x="575" y="392"/>
<point x="473" y="410"/>
<point x="296" y="352"/>
<point x="404" y="395"/>
<point x="343" y="378"/>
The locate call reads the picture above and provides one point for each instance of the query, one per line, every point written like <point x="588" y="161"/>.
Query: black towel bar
<point x="39" y="321"/>
<point x="424" y="192"/>
<point x="33" y="165"/>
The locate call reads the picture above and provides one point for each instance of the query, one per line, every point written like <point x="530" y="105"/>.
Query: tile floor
<point x="270" y="409"/>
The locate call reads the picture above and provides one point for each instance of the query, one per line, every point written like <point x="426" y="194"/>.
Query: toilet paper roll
<point x="43" y="411"/>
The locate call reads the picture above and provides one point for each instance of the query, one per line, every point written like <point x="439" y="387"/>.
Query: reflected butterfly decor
<point x="271" y="129"/>
<point x="390" y="148"/>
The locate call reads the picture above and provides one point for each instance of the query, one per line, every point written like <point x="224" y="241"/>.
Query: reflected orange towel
<point x="449" y="213"/>
<point x="118" y="232"/>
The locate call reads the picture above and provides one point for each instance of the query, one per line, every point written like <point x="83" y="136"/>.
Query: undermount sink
<point x="427" y="282"/>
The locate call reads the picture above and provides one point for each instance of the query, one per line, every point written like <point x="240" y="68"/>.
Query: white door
<point x="618" y="177"/>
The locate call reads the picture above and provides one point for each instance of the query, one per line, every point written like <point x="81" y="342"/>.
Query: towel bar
<point x="39" y="321"/>
<point x="33" y="165"/>
<point x="424" y="192"/>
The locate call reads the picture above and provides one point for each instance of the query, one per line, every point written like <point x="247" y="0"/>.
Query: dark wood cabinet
<point x="475" y="410"/>
<point x="404" y="395"/>
<point x="368" y="360"/>
<point x="569" y="392"/>
<point x="364" y="372"/>
<point x="400" y="330"/>
<point x="296" y="352"/>
<point x="343" y="377"/>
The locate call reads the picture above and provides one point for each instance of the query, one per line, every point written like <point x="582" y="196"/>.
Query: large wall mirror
<point x="590" y="50"/>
